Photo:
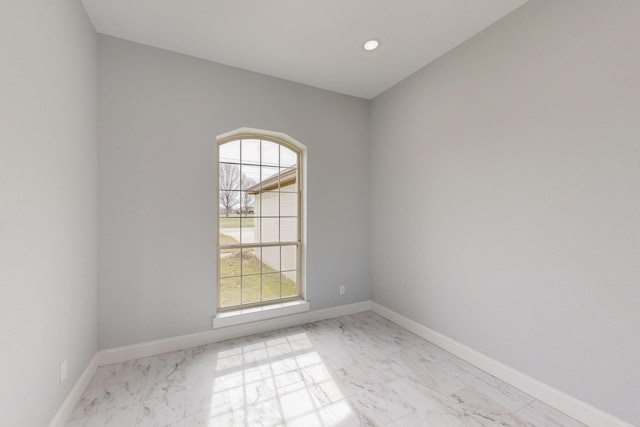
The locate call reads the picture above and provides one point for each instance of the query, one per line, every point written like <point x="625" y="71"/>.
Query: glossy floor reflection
<point x="358" y="370"/>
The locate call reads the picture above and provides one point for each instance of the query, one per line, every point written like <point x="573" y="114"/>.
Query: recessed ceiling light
<point x="371" y="44"/>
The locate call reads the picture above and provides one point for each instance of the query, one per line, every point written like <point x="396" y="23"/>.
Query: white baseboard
<point x="569" y="405"/>
<point x="555" y="398"/>
<point x="151" y="348"/>
<point x="63" y="413"/>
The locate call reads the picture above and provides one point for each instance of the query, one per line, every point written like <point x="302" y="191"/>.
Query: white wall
<point x="506" y="197"/>
<point x="159" y="115"/>
<point x="48" y="200"/>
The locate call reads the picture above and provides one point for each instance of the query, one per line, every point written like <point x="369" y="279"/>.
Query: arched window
<point x="259" y="226"/>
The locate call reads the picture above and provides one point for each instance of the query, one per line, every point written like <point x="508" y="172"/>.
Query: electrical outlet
<point x="343" y="289"/>
<point x="63" y="371"/>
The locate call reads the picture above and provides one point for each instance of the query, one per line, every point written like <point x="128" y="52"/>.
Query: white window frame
<point x="300" y="151"/>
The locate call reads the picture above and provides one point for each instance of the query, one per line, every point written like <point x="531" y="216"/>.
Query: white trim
<point x="278" y="135"/>
<point x="255" y="314"/>
<point x="553" y="397"/>
<point x="151" y="348"/>
<point x="302" y="194"/>
<point x="569" y="405"/>
<point x="65" y="410"/>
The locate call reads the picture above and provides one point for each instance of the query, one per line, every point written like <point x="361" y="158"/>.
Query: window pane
<point x="230" y="152"/>
<point x="289" y="258"/>
<point x="288" y="229"/>
<point x="269" y="178"/>
<point x="259" y="204"/>
<point x="289" y="287"/>
<point x="250" y="289"/>
<point x="250" y="152"/>
<point x="246" y="222"/>
<point x="269" y="230"/>
<point x="287" y="157"/>
<point x="230" y="291"/>
<point x="229" y="202"/>
<point x="270" y="259"/>
<point x="230" y="263"/>
<point x="250" y="263"/>
<point x="247" y="206"/>
<point x="270" y="203"/>
<point x="271" y="286"/>
<point x="289" y="179"/>
<point x="270" y="153"/>
<point x="229" y="178"/>
<point x="227" y="239"/>
<point x="249" y="177"/>
<point x="229" y="226"/>
<point x="257" y="209"/>
<point x="289" y="204"/>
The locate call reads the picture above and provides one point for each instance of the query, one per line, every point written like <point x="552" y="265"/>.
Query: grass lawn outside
<point x="233" y="221"/>
<point x="227" y="240"/>
<point x="235" y="290"/>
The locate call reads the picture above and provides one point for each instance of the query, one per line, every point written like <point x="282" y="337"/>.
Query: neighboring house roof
<point x="286" y="177"/>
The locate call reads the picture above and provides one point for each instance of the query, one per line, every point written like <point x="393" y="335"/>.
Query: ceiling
<point x="314" y="42"/>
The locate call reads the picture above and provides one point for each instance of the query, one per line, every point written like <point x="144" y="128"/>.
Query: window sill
<point x="238" y="317"/>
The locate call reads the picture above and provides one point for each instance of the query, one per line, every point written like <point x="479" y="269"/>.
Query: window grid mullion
<point x="260" y="249"/>
<point x="241" y="250"/>
<point x="279" y="214"/>
<point x="245" y="247"/>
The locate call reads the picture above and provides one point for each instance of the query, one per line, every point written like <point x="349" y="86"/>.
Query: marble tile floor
<point x="357" y="370"/>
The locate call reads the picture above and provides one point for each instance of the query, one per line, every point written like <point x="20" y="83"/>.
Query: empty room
<point x="320" y="213"/>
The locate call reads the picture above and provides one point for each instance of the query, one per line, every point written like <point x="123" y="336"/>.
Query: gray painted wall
<point x="48" y="184"/>
<point x="159" y="115"/>
<point x="505" y="203"/>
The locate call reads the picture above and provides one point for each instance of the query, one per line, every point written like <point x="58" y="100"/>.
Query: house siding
<point x="269" y="206"/>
